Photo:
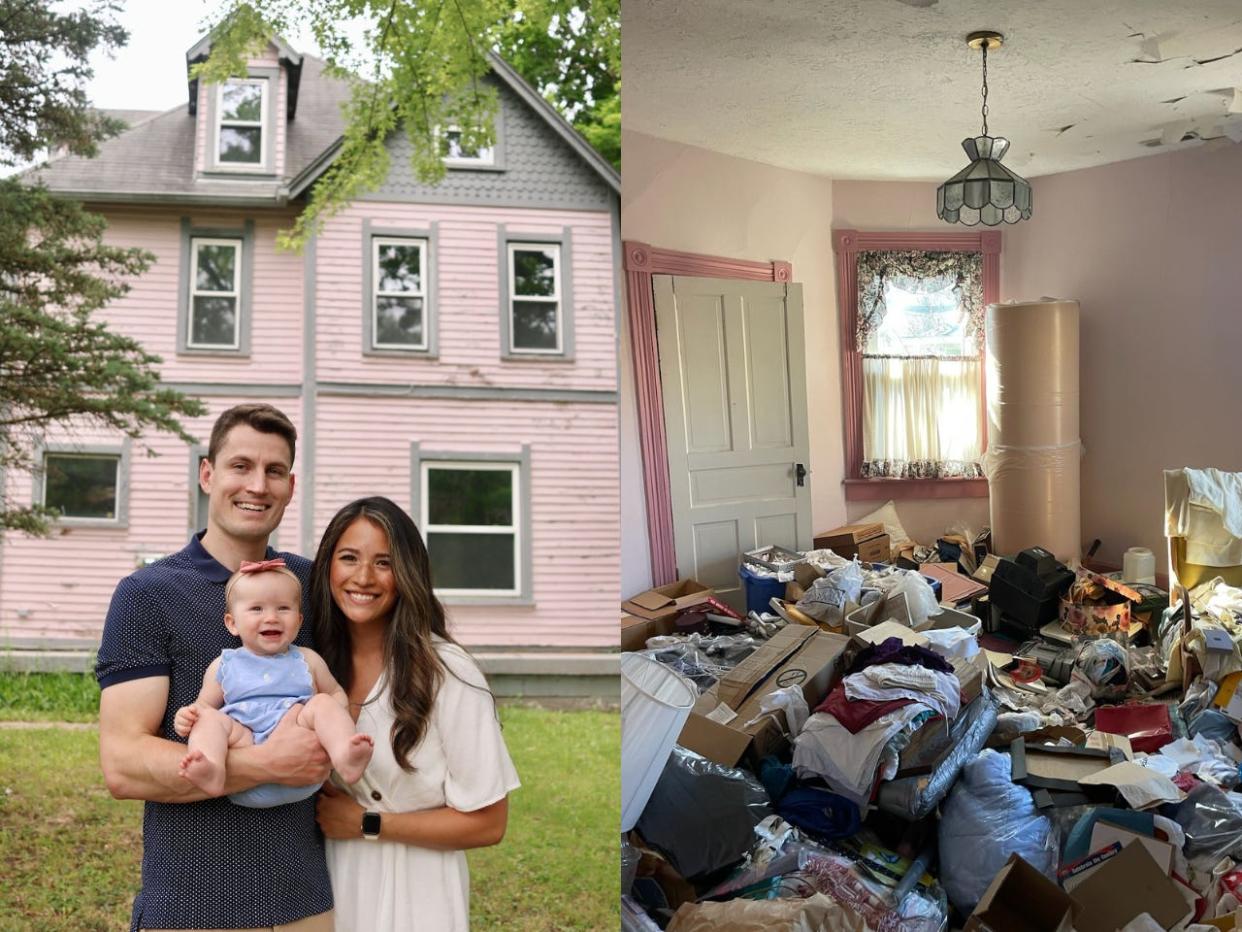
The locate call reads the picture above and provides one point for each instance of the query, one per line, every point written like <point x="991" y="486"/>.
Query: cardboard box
<point x="725" y="723"/>
<point x="636" y="632"/>
<point x="868" y="542"/>
<point x="1124" y="887"/>
<point x="1021" y="899"/>
<point x="667" y="601"/>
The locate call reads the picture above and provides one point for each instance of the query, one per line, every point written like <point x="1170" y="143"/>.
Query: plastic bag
<point x="920" y="597"/>
<point x="791" y="701"/>
<point x="629" y="865"/>
<point x="825" y="600"/>
<point x="701" y="815"/>
<point x="985" y="819"/>
<point x="1212" y="820"/>
<point x="688" y="660"/>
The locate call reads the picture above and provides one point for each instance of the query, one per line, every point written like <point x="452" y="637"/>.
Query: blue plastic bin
<point x="760" y="590"/>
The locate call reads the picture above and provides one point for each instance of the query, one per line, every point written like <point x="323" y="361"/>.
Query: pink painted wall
<point x="575" y="517"/>
<point x="684" y="198"/>
<point x="71" y="601"/>
<point x="149" y="311"/>
<point x="469" y="293"/>
<point x="889" y="205"/>
<point x="1149" y="247"/>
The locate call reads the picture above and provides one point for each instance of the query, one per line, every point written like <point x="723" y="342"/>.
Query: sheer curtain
<point x="919" y="331"/>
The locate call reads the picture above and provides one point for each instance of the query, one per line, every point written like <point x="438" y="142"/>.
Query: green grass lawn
<point x="72" y="852"/>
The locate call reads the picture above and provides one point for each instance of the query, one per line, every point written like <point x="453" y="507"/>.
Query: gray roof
<point x="153" y="161"/>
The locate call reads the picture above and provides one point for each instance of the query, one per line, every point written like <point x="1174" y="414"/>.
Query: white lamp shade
<point x="655" y="702"/>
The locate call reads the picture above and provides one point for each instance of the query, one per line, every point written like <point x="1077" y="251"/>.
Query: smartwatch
<point x="370" y="825"/>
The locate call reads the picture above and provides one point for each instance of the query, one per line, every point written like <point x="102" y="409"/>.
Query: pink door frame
<point x="847" y="244"/>
<point x="641" y="262"/>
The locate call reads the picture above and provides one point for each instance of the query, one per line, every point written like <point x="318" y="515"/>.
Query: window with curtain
<point x="920" y="330"/>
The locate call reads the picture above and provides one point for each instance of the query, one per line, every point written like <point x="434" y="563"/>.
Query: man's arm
<point x="138" y="764"/>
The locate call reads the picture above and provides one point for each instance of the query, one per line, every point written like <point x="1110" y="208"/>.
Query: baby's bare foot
<point x="202" y="772"/>
<point x="353" y="762"/>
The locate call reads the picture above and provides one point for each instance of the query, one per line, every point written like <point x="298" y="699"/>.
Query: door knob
<point x="800" y="473"/>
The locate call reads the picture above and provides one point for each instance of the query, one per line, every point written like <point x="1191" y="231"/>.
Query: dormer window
<point x="241" y="135"/>
<point x="455" y="154"/>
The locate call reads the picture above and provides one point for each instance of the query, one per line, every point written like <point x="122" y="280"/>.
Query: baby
<point x="247" y="690"/>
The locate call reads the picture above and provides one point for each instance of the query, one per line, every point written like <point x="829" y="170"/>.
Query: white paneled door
<point x="733" y="374"/>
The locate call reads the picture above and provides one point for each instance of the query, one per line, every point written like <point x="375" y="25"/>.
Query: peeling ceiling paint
<point x="888" y="89"/>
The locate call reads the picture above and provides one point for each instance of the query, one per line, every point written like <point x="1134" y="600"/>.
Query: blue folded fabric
<point x="822" y="813"/>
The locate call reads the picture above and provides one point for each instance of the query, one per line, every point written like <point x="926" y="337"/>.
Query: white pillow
<point x="887" y="516"/>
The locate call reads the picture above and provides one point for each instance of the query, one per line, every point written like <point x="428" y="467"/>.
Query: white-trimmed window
<point x="84" y="487"/>
<point x="215" y="294"/>
<point x="241" y="131"/>
<point x="472" y="520"/>
<point x="535" y="306"/>
<point x="455" y="153"/>
<point x="399" y="300"/>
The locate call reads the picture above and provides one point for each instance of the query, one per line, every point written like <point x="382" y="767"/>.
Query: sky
<point x="149" y="72"/>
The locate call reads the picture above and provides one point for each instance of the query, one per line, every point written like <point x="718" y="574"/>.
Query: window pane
<point x="217" y="266"/>
<point x="470" y="496"/>
<point x="82" y="486"/>
<point x="534" y="272"/>
<point x="240" y="144"/>
<point x="534" y="325"/>
<point x="471" y="561"/>
<point x="399" y="320"/>
<point x="241" y="102"/>
<point x="451" y="147"/>
<point x="930" y="323"/>
<point x="214" y="322"/>
<point x="399" y="268"/>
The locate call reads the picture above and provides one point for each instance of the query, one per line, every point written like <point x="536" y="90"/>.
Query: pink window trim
<point x="642" y="261"/>
<point x="846" y="244"/>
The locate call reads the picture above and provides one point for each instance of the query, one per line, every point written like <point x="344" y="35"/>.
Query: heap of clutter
<point x="896" y="737"/>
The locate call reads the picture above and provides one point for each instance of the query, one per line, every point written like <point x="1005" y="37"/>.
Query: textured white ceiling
<point x="888" y="89"/>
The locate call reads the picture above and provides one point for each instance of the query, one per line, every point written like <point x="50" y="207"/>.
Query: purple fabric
<point x="893" y="650"/>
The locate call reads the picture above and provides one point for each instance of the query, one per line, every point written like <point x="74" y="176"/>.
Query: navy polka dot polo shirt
<point x="211" y="864"/>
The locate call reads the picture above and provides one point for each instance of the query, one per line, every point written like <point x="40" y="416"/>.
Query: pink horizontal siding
<point x="364" y="449"/>
<point x="149" y="311"/>
<point x="63" y="583"/>
<point x="467" y="268"/>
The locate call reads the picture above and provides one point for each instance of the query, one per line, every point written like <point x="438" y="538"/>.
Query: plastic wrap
<point x="985" y="819"/>
<point x="857" y="885"/>
<point x="1105" y="666"/>
<point x="915" y="797"/>
<point x="701" y="815"/>
<point x="629" y="865"/>
<point x="689" y="660"/>
<point x="1034" y="452"/>
<point x="725" y="651"/>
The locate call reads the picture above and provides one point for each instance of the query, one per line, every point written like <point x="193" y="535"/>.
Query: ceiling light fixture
<point x="985" y="191"/>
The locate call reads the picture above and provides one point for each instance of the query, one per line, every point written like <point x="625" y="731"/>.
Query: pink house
<point x="452" y="347"/>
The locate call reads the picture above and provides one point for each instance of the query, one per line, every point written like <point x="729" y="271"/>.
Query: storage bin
<point x="760" y="590"/>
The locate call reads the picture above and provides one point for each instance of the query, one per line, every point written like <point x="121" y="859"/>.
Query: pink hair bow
<point x="249" y="566"/>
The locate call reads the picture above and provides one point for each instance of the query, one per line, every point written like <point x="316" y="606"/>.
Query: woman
<point x="440" y="775"/>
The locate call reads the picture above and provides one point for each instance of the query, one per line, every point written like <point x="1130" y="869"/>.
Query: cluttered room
<point x="941" y="736"/>
<point x="932" y="567"/>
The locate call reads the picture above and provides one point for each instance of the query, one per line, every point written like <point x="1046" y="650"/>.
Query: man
<point x="208" y="863"/>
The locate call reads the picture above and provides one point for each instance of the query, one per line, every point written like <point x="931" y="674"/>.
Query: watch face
<point x="371" y="824"/>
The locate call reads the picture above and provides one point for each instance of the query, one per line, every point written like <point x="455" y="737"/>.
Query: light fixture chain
<point x="985" y="88"/>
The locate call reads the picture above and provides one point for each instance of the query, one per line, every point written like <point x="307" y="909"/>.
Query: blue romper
<point x="258" y="691"/>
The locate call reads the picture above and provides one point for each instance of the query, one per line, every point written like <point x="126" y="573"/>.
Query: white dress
<point x="462" y="762"/>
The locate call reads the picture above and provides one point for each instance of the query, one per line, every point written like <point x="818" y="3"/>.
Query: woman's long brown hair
<point x="413" y="668"/>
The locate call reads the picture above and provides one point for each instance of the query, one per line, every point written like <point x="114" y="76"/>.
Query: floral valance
<point x="920" y="273"/>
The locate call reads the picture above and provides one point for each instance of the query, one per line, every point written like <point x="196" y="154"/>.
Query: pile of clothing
<point x="855" y="736"/>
